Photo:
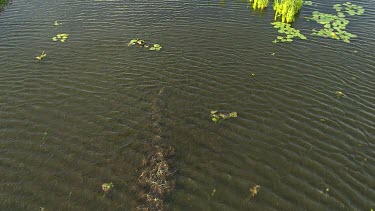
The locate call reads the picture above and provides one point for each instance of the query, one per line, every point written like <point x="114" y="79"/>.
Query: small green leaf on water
<point x="39" y="58"/>
<point x="309" y="3"/>
<point x="63" y="37"/>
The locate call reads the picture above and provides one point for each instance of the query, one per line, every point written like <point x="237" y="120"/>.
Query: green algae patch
<point x="288" y="32"/>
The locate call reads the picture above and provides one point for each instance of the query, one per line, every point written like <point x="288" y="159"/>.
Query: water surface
<point x="82" y="116"/>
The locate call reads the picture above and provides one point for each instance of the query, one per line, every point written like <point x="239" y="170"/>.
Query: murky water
<point x="82" y="116"/>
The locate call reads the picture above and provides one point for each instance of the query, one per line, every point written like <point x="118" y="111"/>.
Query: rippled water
<point x="82" y="116"/>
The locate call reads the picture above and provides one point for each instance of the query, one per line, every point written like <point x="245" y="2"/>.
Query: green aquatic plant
<point x="349" y="8"/>
<point x="156" y="47"/>
<point x="309" y="3"/>
<point x="287" y="9"/>
<point x="133" y="42"/>
<point x="62" y="37"/>
<point x="216" y="115"/>
<point x="259" y="4"/>
<point x="334" y="25"/>
<point x="141" y="43"/>
<point x="340" y="94"/>
<point x="39" y="58"/>
<point x="288" y="30"/>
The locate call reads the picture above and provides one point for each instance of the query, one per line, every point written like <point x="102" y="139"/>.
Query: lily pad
<point x="141" y="43"/>
<point x="288" y="30"/>
<point x="335" y="25"/>
<point x="62" y="37"/>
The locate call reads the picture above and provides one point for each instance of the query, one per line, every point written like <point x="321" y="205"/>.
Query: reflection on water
<point x="82" y="117"/>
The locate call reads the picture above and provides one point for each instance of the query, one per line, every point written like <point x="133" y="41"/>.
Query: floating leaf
<point x="309" y="3"/>
<point x="216" y="115"/>
<point x="288" y="30"/>
<point x="62" y="37"/>
<point x="39" y="58"/>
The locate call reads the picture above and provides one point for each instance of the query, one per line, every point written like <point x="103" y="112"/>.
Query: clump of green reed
<point x="287" y="9"/>
<point x="259" y="4"/>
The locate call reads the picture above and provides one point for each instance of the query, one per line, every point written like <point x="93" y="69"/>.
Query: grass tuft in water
<point x="287" y="9"/>
<point x="259" y="4"/>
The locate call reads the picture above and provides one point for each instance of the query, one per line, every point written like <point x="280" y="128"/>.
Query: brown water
<point x="81" y="117"/>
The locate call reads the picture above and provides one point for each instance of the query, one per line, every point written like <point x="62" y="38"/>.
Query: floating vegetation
<point x="62" y="37"/>
<point x="56" y="23"/>
<point x="309" y="3"/>
<point x="156" y="47"/>
<point x="254" y="190"/>
<point x="259" y="4"/>
<point x="350" y="9"/>
<point x="216" y="115"/>
<point x="335" y="25"/>
<point x="287" y="9"/>
<point x="106" y="187"/>
<point x="288" y="30"/>
<point x="39" y="58"/>
<point x="142" y="44"/>
<point x="340" y="94"/>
